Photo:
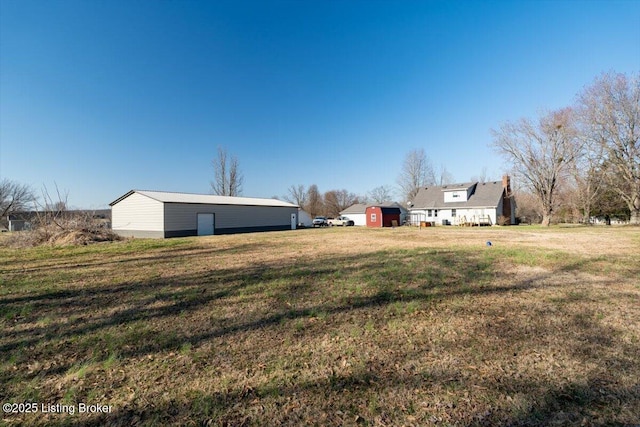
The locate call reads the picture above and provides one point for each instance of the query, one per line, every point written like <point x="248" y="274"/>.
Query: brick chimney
<point x="506" y="197"/>
<point x="506" y="183"/>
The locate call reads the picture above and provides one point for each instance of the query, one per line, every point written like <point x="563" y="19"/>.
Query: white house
<point x="162" y="214"/>
<point x="471" y="203"/>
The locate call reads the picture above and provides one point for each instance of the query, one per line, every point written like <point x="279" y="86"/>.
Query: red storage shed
<point x="381" y="216"/>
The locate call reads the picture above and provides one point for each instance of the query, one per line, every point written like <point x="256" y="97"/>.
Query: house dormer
<point x="458" y="193"/>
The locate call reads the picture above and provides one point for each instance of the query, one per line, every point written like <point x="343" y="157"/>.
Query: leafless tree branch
<point x="539" y="153"/>
<point x="228" y="178"/>
<point x="610" y="115"/>
<point x="417" y="171"/>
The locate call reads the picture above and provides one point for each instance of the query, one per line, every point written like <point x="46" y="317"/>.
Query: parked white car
<point x="341" y="220"/>
<point x="320" y="221"/>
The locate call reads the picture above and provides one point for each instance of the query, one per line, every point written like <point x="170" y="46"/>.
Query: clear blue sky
<point x="105" y="96"/>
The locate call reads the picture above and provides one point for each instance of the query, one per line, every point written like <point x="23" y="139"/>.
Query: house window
<point x="453" y="212"/>
<point x="455" y="195"/>
<point x="428" y="212"/>
<point x="435" y="213"/>
<point x="373" y="218"/>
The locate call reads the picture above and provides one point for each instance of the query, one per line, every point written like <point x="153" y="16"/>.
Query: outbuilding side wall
<point x="180" y="219"/>
<point x="149" y="214"/>
<point x="358" y="219"/>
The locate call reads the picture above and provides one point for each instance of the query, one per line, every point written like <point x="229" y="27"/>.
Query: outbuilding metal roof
<point x="170" y="197"/>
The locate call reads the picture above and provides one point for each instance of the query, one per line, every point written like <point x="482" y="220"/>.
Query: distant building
<point x="383" y="216"/>
<point x="20" y="221"/>
<point x="471" y="203"/>
<point x="358" y="212"/>
<point x="304" y="219"/>
<point x="162" y="214"/>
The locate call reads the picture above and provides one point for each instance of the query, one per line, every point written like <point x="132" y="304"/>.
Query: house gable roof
<point x="358" y="208"/>
<point x="209" y="199"/>
<point x="465" y="186"/>
<point x="484" y="195"/>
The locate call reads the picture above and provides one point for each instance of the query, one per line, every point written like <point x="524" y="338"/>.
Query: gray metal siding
<point x="183" y="216"/>
<point x="137" y="213"/>
<point x="17" y="225"/>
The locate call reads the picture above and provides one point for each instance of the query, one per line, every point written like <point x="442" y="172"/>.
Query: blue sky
<point x="102" y="97"/>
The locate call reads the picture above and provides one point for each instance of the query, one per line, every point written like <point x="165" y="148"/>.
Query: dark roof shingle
<point x="484" y="194"/>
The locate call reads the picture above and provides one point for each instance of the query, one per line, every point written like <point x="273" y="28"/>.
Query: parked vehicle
<point x="341" y="220"/>
<point x="320" y="221"/>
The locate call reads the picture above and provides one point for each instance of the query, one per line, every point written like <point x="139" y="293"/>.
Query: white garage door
<point x="206" y="224"/>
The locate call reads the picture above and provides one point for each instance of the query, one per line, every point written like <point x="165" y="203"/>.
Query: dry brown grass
<point x="330" y="327"/>
<point x="53" y="235"/>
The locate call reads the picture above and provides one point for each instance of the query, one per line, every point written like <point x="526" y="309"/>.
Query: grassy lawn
<point x="328" y="327"/>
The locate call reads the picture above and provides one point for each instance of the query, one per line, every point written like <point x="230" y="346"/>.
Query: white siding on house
<point x="455" y="196"/>
<point x="137" y="213"/>
<point x="470" y="214"/>
<point x="476" y="214"/>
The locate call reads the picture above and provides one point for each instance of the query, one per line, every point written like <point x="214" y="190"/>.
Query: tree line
<point x="417" y="171"/>
<point x="582" y="160"/>
<point x="329" y="203"/>
<point x="568" y="164"/>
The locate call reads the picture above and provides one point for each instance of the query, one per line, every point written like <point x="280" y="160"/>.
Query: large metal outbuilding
<point x="162" y="214"/>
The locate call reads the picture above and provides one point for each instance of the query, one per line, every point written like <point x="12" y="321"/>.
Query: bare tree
<point x="315" y="202"/>
<point x="53" y="223"/>
<point x="297" y="195"/>
<point x="482" y="177"/>
<point x="539" y="153"/>
<point x="228" y="178"/>
<point x="610" y="112"/>
<point x="52" y="209"/>
<point x="381" y="194"/>
<point x="417" y="171"/>
<point x="588" y="179"/>
<point x="15" y="197"/>
<point x="336" y="201"/>
<point x="365" y="199"/>
<point x="442" y="176"/>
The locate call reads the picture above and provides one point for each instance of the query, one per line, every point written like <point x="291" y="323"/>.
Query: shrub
<point x="503" y="220"/>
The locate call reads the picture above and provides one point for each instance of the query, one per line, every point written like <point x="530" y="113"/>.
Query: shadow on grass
<point x="382" y="277"/>
<point x="138" y="319"/>
<point x="125" y="258"/>
<point x="365" y="397"/>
